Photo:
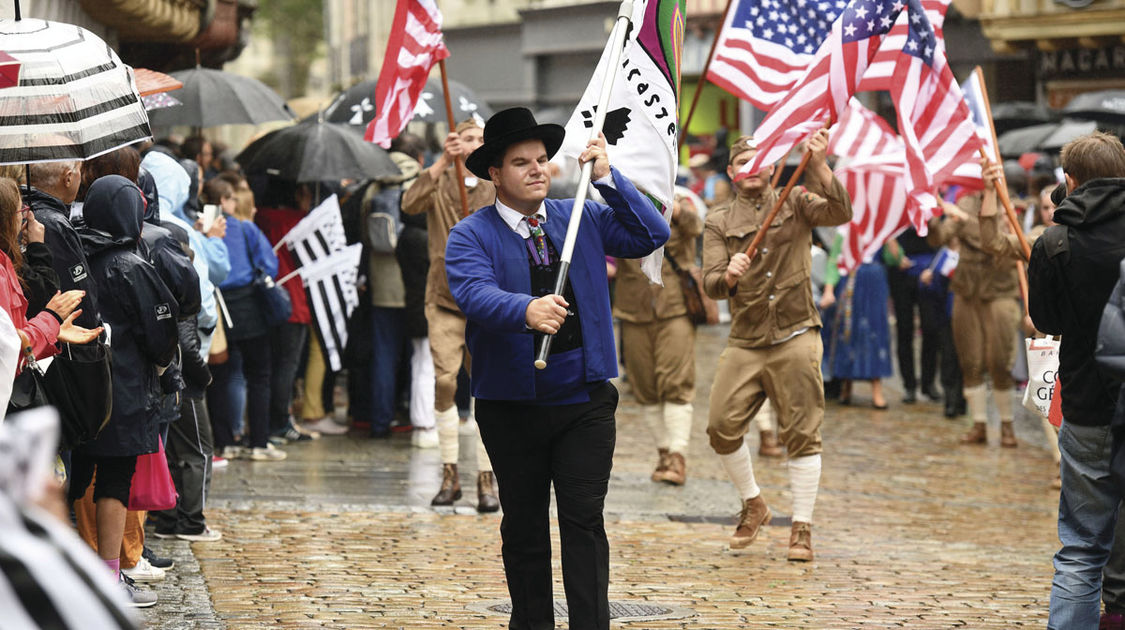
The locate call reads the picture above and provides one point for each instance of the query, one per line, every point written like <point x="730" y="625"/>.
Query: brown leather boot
<point x="755" y="513"/>
<point x="1008" y="435"/>
<point x="800" y="542"/>
<point x="976" y="435"/>
<point x="450" y="486"/>
<point x="661" y="465"/>
<point x="676" y="472"/>
<point x="768" y="446"/>
<point x="487" y="500"/>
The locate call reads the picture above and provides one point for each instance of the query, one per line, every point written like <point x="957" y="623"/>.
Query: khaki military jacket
<point x="981" y="274"/>
<point x="442" y="201"/>
<point x="639" y="301"/>
<point x="774" y="298"/>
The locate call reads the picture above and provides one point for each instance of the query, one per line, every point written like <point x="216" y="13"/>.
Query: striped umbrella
<point x="75" y="99"/>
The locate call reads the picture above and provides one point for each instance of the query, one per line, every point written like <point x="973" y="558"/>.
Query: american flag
<point x="873" y="177"/>
<point x="933" y="118"/>
<point x="828" y="82"/>
<point x="765" y="46"/>
<point x="415" y="45"/>
<point x="881" y="71"/>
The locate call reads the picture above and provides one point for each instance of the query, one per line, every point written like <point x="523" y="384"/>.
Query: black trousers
<point x="906" y="298"/>
<point x="189" y="447"/>
<point x="570" y="446"/>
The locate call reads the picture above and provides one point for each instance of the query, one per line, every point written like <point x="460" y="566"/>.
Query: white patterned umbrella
<point x="75" y="99"/>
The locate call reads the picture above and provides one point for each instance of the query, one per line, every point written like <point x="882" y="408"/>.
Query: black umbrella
<point x="1105" y="106"/>
<point x="213" y="97"/>
<point x="356" y="106"/>
<point x="1016" y="114"/>
<point x="1016" y="142"/>
<point x="315" y="152"/>
<point x="1068" y="130"/>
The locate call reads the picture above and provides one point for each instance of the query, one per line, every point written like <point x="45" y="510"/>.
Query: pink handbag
<point x="152" y="483"/>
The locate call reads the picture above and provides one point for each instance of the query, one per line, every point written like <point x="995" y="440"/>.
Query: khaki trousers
<point x="789" y="374"/>
<point x="447" y="347"/>
<point x="312" y="406"/>
<point x="984" y="333"/>
<point x="660" y="360"/>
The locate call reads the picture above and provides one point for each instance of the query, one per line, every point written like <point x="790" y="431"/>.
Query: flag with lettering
<point x="765" y="46"/>
<point x="414" y="46"/>
<point x="642" y="119"/>
<point x="934" y="120"/>
<point x="829" y="82"/>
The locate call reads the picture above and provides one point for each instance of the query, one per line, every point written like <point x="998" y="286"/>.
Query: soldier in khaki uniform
<point x="659" y="342"/>
<point x="986" y="309"/>
<point x="436" y="193"/>
<point x="774" y="348"/>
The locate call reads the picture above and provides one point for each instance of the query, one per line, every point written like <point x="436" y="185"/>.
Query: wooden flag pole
<point x="617" y="37"/>
<point x="779" y="171"/>
<point x="703" y="76"/>
<point x="458" y="161"/>
<point x="752" y="250"/>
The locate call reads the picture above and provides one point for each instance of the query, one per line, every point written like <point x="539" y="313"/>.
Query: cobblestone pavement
<point x="911" y="530"/>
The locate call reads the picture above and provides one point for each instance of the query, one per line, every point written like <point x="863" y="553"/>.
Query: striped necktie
<point x="540" y="240"/>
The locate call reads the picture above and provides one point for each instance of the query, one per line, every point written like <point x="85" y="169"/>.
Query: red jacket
<point x="275" y="224"/>
<point x="43" y="329"/>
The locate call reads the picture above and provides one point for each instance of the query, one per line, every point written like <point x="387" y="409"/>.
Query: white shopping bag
<point x="1042" y="368"/>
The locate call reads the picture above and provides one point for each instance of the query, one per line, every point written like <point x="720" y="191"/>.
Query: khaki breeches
<point x="447" y="346"/>
<point x="789" y="374"/>
<point x="984" y="333"/>
<point x="660" y="360"/>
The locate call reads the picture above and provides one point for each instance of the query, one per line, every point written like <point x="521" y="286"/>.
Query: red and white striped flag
<point x="934" y="120"/>
<point x="881" y="71"/>
<point x="873" y="177"/>
<point x="765" y="46"/>
<point x="415" y="45"/>
<point x="828" y="83"/>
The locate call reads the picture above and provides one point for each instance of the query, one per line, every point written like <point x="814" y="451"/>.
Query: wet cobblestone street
<point x="910" y="530"/>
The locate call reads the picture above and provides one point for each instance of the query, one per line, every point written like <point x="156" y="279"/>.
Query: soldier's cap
<point x="742" y="145"/>
<point x="507" y="127"/>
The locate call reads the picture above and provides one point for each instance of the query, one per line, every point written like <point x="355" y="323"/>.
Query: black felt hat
<point x="506" y="128"/>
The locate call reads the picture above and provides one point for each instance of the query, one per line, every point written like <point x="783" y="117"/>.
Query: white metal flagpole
<point x="620" y="30"/>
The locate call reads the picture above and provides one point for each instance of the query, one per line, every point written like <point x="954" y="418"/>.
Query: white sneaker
<point x="267" y="454"/>
<point x="207" y="535"/>
<point x="137" y="598"/>
<point x="218" y="462"/>
<point x="424" y="438"/>
<point x="144" y="572"/>
<point x="233" y="452"/>
<point x="326" y="426"/>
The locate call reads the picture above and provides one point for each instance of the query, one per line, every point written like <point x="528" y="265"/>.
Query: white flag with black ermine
<point x="319" y="234"/>
<point x="331" y="286"/>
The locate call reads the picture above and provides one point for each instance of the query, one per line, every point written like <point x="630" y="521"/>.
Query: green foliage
<point x="297" y="30"/>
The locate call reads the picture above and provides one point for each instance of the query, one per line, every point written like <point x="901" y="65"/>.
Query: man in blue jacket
<point x="554" y="425"/>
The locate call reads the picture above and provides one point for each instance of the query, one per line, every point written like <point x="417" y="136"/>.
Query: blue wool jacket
<point x="487" y="266"/>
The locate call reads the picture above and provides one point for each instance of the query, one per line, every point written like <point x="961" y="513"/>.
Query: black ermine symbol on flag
<point x="616" y="123"/>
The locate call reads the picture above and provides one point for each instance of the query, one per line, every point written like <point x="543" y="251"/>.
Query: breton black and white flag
<point x="331" y="286"/>
<point x="319" y="235"/>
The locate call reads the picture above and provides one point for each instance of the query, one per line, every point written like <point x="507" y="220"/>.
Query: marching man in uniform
<point x="774" y="349"/>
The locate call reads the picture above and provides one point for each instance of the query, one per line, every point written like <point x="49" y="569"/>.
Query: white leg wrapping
<point x="677" y="424"/>
<point x="447" y="423"/>
<point x="977" y="398"/>
<point x="653" y="416"/>
<point x="741" y="472"/>
<point x="484" y="464"/>
<point x="765" y="417"/>
<point x="804" y="481"/>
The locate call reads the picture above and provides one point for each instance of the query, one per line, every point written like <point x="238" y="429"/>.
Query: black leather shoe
<point x="932" y="393"/>
<point x="909" y="397"/>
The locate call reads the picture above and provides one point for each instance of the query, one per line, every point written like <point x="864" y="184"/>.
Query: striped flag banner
<point x="765" y="46"/>
<point x="878" y="194"/>
<point x="828" y="83"/>
<point x="319" y="234"/>
<point x="414" y="46"/>
<point x="75" y="99"/>
<point x="331" y="286"/>
<point x="933" y="118"/>
<point x="881" y="71"/>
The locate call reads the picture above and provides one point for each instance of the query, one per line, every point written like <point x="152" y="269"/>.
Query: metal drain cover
<point x="621" y="611"/>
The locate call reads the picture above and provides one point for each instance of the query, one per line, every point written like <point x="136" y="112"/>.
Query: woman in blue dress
<point x="859" y="348"/>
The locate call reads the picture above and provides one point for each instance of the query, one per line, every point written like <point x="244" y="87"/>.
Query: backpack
<point x="383" y="223"/>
